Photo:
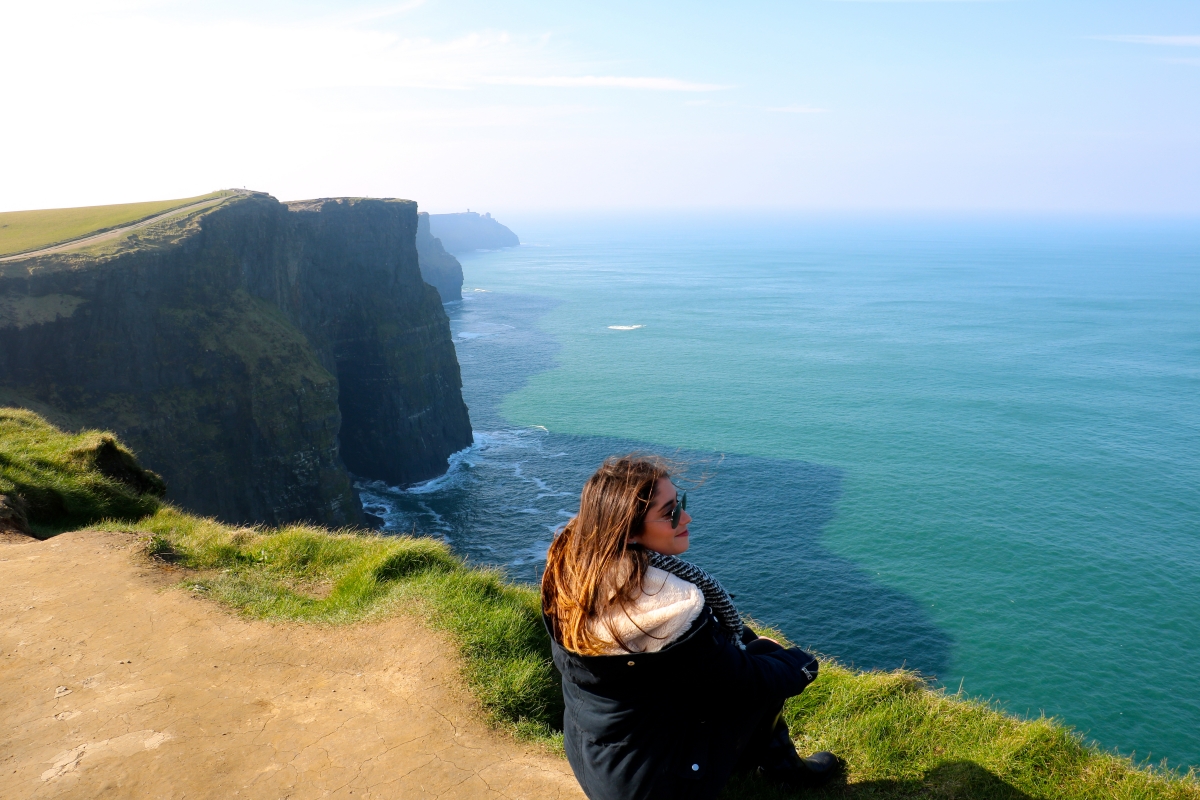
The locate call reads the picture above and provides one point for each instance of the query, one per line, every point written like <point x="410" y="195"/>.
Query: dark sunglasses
<point x="680" y="507"/>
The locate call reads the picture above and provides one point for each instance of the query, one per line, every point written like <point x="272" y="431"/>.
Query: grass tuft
<point x="66" y="481"/>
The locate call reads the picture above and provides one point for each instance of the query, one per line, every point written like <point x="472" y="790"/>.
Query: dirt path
<point x="115" y="683"/>
<point x="115" y="232"/>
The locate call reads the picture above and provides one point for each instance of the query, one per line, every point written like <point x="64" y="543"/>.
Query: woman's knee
<point x="760" y="646"/>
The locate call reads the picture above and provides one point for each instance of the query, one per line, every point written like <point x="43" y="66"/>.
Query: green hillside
<point x="21" y="231"/>
<point x="52" y="481"/>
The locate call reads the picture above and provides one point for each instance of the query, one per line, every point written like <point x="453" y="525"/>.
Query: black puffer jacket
<point x="667" y="724"/>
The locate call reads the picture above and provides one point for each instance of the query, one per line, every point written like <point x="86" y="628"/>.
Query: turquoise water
<point x="969" y="448"/>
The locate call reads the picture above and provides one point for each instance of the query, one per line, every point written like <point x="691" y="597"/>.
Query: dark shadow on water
<point x="760" y="524"/>
<point x="758" y="521"/>
<point x="954" y="780"/>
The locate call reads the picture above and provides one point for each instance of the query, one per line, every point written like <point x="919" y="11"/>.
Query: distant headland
<point x="467" y="231"/>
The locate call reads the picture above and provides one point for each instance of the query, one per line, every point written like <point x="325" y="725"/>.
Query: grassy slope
<point x="901" y="739"/>
<point x="29" y="230"/>
<point x="70" y="480"/>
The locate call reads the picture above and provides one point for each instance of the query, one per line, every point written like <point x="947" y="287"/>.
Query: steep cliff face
<point x="389" y="338"/>
<point x="249" y="353"/>
<point x="439" y="269"/>
<point x="462" y="233"/>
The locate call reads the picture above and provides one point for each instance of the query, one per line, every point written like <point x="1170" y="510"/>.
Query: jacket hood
<point x="619" y="672"/>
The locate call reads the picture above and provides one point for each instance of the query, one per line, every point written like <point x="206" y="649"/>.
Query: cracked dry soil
<point x="116" y="683"/>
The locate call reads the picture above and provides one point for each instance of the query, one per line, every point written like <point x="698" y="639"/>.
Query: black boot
<point x="782" y="765"/>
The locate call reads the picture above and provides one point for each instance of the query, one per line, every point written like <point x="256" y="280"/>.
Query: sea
<point x="969" y="447"/>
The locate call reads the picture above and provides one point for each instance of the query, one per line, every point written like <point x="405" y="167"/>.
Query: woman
<point x="667" y="694"/>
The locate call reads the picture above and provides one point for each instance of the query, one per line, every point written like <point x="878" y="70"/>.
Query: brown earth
<point x="115" y="682"/>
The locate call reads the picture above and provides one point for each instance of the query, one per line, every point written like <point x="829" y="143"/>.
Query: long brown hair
<point x="590" y="566"/>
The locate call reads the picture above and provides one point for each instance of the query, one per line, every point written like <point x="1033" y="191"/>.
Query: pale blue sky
<point x="1010" y="106"/>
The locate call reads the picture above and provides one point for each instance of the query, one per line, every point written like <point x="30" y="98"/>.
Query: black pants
<point x="765" y="740"/>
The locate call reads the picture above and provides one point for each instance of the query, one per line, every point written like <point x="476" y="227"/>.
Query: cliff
<point x="439" y="269"/>
<point x="252" y="353"/>
<point x="462" y="233"/>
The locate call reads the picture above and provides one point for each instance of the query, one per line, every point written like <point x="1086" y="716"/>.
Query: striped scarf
<point x="715" y="596"/>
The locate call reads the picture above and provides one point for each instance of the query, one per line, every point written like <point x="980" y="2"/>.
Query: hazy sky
<point x="1013" y="105"/>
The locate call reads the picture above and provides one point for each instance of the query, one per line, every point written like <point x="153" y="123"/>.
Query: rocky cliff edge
<point x="253" y="353"/>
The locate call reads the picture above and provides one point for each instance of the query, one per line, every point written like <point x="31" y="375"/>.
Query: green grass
<point x="67" y="481"/>
<point x="21" y="231"/>
<point x="900" y="737"/>
<point x="903" y="739"/>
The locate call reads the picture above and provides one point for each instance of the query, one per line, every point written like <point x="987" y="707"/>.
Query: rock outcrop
<point x="462" y="233"/>
<point x="254" y="354"/>
<point x="439" y="269"/>
<point x="14" y="517"/>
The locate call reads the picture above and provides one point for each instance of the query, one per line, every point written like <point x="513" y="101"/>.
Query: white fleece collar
<point x="666" y="608"/>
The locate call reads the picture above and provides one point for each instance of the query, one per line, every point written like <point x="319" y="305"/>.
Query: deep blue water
<point x="968" y="448"/>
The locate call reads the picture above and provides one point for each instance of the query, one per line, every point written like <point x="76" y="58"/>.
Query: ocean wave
<point x="438" y="519"/>
<point x="533" y="554"/>
<point x="625" y="327"/>
<point x="483" y="330"/>
<point x="456" y="468"/>
<point x="523" y="438"/>
<point x="375" y="494"/>
<point x="493" y="491"/>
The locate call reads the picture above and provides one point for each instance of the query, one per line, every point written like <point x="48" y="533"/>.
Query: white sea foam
<point x="422" y="508"/>
<point x="438" y="519"/>
<point x="379" y="506"/>
<point x="518" y="437"/>
<point x="544" y="490"/>
<point x="482" y="330"/>
<point x="457" y="465"/>
<point x="625" y="327"/>
<point x="535" y="553"/>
